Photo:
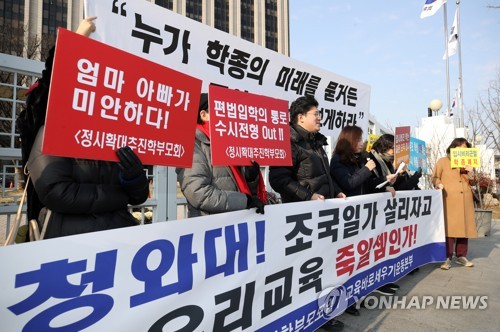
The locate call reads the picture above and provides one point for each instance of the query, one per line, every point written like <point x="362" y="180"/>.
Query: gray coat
<point x="209" y="189"/>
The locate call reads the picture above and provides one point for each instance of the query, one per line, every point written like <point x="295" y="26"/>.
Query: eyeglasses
<point x="315" y="114"/>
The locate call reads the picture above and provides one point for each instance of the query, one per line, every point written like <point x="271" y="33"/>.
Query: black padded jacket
<point x="84" y="195"/>
<point x="309" y="173"/>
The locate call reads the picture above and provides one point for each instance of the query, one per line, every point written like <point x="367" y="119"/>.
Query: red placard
<point x="402" y="146"/>
<point x="245" y="127"/>
<point x="102" y="98"/>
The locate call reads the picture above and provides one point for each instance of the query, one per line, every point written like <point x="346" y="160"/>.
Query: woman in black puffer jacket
<point x="86" y="195"/>
<point x="350" y="168"/>
<point x="83" y="195"/>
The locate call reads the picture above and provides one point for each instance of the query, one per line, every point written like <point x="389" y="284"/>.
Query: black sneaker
<point x="392" y="286"/>
<point x="384" y="290"/>
<point x="333" y="325"/>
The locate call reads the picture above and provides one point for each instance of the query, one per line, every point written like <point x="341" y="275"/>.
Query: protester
<point x="352" y="170"/>
<point x="83" y="195"/>
<point x="308" y="178"/>
<point x="458" y="205"/>
<point x="383" y="154"/>
<point x="215" y="189"/>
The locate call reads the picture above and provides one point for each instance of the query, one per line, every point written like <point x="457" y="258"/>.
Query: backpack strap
<point x="15" y="227"/>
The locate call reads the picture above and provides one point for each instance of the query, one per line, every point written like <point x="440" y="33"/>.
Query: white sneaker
<point x="446" y="265"/>
<point x="464" y="261"/>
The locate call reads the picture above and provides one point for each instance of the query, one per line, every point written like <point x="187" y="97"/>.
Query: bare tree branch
<point x="484" y="119"/>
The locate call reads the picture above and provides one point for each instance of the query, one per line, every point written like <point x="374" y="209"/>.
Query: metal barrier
<point x="16" y="76"/>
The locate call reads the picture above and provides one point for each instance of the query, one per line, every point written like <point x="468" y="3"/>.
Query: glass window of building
<point x="55" y="15"/>
<point x="12" y="27"/>
<point x="194" y="9"/>
<point x="169" y="4"/>
<point x="272" y="24"/>
<point x="221" y="15"/>
<point x="247" y="25"/>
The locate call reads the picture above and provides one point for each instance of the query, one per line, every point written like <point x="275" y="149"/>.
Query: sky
<point x="386" y="45"/>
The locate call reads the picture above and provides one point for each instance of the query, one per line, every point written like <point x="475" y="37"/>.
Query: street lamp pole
<point x="435" y="105"/>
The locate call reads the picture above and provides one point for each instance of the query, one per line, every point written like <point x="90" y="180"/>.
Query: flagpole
<point x="447" y="61"/>
<point x="460" y="85"/>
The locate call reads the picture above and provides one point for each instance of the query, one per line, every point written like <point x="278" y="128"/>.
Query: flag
<point x="456" y="99"/>
<point x="431" y="7"/>
<point x="453" y="39"/>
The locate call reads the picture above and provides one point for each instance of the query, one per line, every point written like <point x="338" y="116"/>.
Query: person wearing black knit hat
<point x="83" y="195"/>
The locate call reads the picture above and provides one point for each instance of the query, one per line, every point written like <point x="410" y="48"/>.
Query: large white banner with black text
<point x="214" y="56"/>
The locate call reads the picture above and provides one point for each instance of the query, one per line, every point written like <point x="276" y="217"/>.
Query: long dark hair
<point x="458" y="142"/>
<point x="347" y="143"/>
<point x="28" y="123"/>
<point x="32" y="117"/>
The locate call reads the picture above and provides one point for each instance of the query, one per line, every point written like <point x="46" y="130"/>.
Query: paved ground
<point x="482" y="280"/>
<point x="3" y="226"/>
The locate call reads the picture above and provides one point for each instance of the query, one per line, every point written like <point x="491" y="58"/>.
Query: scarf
<point x="241" y="183"/>
<point x="381" y="159"/>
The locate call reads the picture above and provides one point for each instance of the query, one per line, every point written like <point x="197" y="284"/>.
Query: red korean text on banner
<point x="402" y="146"/>
<point x="245" y="127"/>
<point x="103" y="98"/>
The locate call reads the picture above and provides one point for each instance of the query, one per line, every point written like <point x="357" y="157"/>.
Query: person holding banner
<point x="83" y="195"/>
<point x="354" y="171"/>
<point x="215" y="189"/>
<point x="382" y="153"/>
<point x="458" y="205"/>
<point x="308" y="178"/>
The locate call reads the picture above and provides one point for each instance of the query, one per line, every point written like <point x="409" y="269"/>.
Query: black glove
<point x="255" y="202"/>
<point x="418" y="173"/>
<point x="130" y="165"/>
<point x="252" y="172"/>
<point x="413" y="180"/>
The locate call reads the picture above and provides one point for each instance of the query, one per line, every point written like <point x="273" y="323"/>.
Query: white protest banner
<point x="214" y="56"/>
<point x="232" y="271"/>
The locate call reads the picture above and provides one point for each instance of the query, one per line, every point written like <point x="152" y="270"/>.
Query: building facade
<point x="28" y="30"/>
<point x="30" y="25"/>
